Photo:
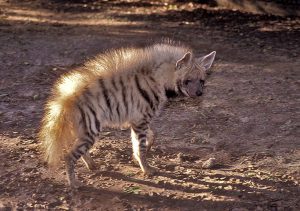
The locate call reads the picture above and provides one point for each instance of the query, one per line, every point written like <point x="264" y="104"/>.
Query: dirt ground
<point x="246" y="124"/>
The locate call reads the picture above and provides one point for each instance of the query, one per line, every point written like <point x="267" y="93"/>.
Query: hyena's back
<point x="112" y="89"/>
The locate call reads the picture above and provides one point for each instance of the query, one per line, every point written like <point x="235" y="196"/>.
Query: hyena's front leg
<point x="149" y="143"/>
<point x="139" y="136"/>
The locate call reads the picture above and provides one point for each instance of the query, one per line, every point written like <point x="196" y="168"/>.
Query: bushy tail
<point x="57" y="131"/>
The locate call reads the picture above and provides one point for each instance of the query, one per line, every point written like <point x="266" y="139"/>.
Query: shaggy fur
<point x="125" y="86"/>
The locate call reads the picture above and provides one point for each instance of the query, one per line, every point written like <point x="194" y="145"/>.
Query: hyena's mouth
<point x="180" y="89"/>
<point x="184" y="92"/>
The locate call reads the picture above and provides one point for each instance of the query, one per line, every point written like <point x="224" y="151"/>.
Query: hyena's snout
<point x="195" y="88"/>
<point x="199" y="92"/>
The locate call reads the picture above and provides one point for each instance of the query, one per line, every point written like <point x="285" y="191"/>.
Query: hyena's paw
<point x="89" y="162"/>
<point x="149" y="148"/>
<point x="135" y="161"/>
<point x="92" y="166"/>
<point x="150" y="171"/>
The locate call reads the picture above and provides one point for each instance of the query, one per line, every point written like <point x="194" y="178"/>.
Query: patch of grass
<point x="132" y="189"/>
<point x="130" y="174"/>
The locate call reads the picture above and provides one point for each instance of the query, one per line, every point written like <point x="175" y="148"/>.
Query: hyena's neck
<point x="165" y="74"/>
<point x="165" y="58"/>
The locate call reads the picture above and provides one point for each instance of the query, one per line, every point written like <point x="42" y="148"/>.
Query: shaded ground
<point x="248" y="119"/>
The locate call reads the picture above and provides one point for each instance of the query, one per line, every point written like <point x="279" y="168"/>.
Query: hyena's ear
<point x="184" y="61"/>
<point x="206" y="61"/>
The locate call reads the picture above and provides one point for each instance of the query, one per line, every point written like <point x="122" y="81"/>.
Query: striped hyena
<point x="125" y="86"/>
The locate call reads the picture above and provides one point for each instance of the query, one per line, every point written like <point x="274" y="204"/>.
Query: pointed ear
<point x="206" y="61"/>
<point x="184" y="61"/>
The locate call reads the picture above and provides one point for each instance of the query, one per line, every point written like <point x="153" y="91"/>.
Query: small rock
<point x="29" y="94"/>
<point x="179" y="168"/>
<point x="153" y="194"/>
<point x="160" y="182"/>
<point x="210" y="163"/>
<point x="244" y="119"/>
<point x="229" y="187"/>
<point x="116" y="199"/>
<point x="30" y="205"/>
<point x="36" y="97"/>
<point x="180" y="157"/>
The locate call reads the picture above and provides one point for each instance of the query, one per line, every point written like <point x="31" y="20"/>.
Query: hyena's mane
<point x="118" y="61"/>
<point x="125" y="60"/>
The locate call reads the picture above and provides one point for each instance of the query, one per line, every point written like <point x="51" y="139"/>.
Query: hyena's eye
<point x="186" y="82"/>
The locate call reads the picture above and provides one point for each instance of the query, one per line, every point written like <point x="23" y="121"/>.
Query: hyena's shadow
<point x="213" y="187"/>
<point x="96" y="195"/>
<point x="150" y="181"/>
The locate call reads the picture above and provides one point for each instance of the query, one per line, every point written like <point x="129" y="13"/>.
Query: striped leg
<point x="80" y="149"/>
<point x="139" y="145"/>
<point x="150" y="139"/>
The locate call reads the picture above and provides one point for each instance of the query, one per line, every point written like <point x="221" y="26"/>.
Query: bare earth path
<point x="247" y="121"/>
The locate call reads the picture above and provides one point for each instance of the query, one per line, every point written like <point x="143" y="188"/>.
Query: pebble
<point x="179" y="168"/>
<point x="180" y="157"/>
<point x="116" y="199"/>
<point x="244" y="119"/>
<point x="153" y="194"/>
<point x="210" y="163"/>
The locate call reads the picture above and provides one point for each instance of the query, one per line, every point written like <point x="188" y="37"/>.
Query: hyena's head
<point x="191" y="73"/>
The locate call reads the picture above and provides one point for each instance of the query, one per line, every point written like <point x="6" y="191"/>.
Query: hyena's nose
<point x="198" y="93"/>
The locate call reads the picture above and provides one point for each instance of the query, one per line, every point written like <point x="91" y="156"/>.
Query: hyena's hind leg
<point x="88" y="161"/>
<point x="150" y="139"/>
<point x="80" y="148"/>
<point x="139" y="136"/>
